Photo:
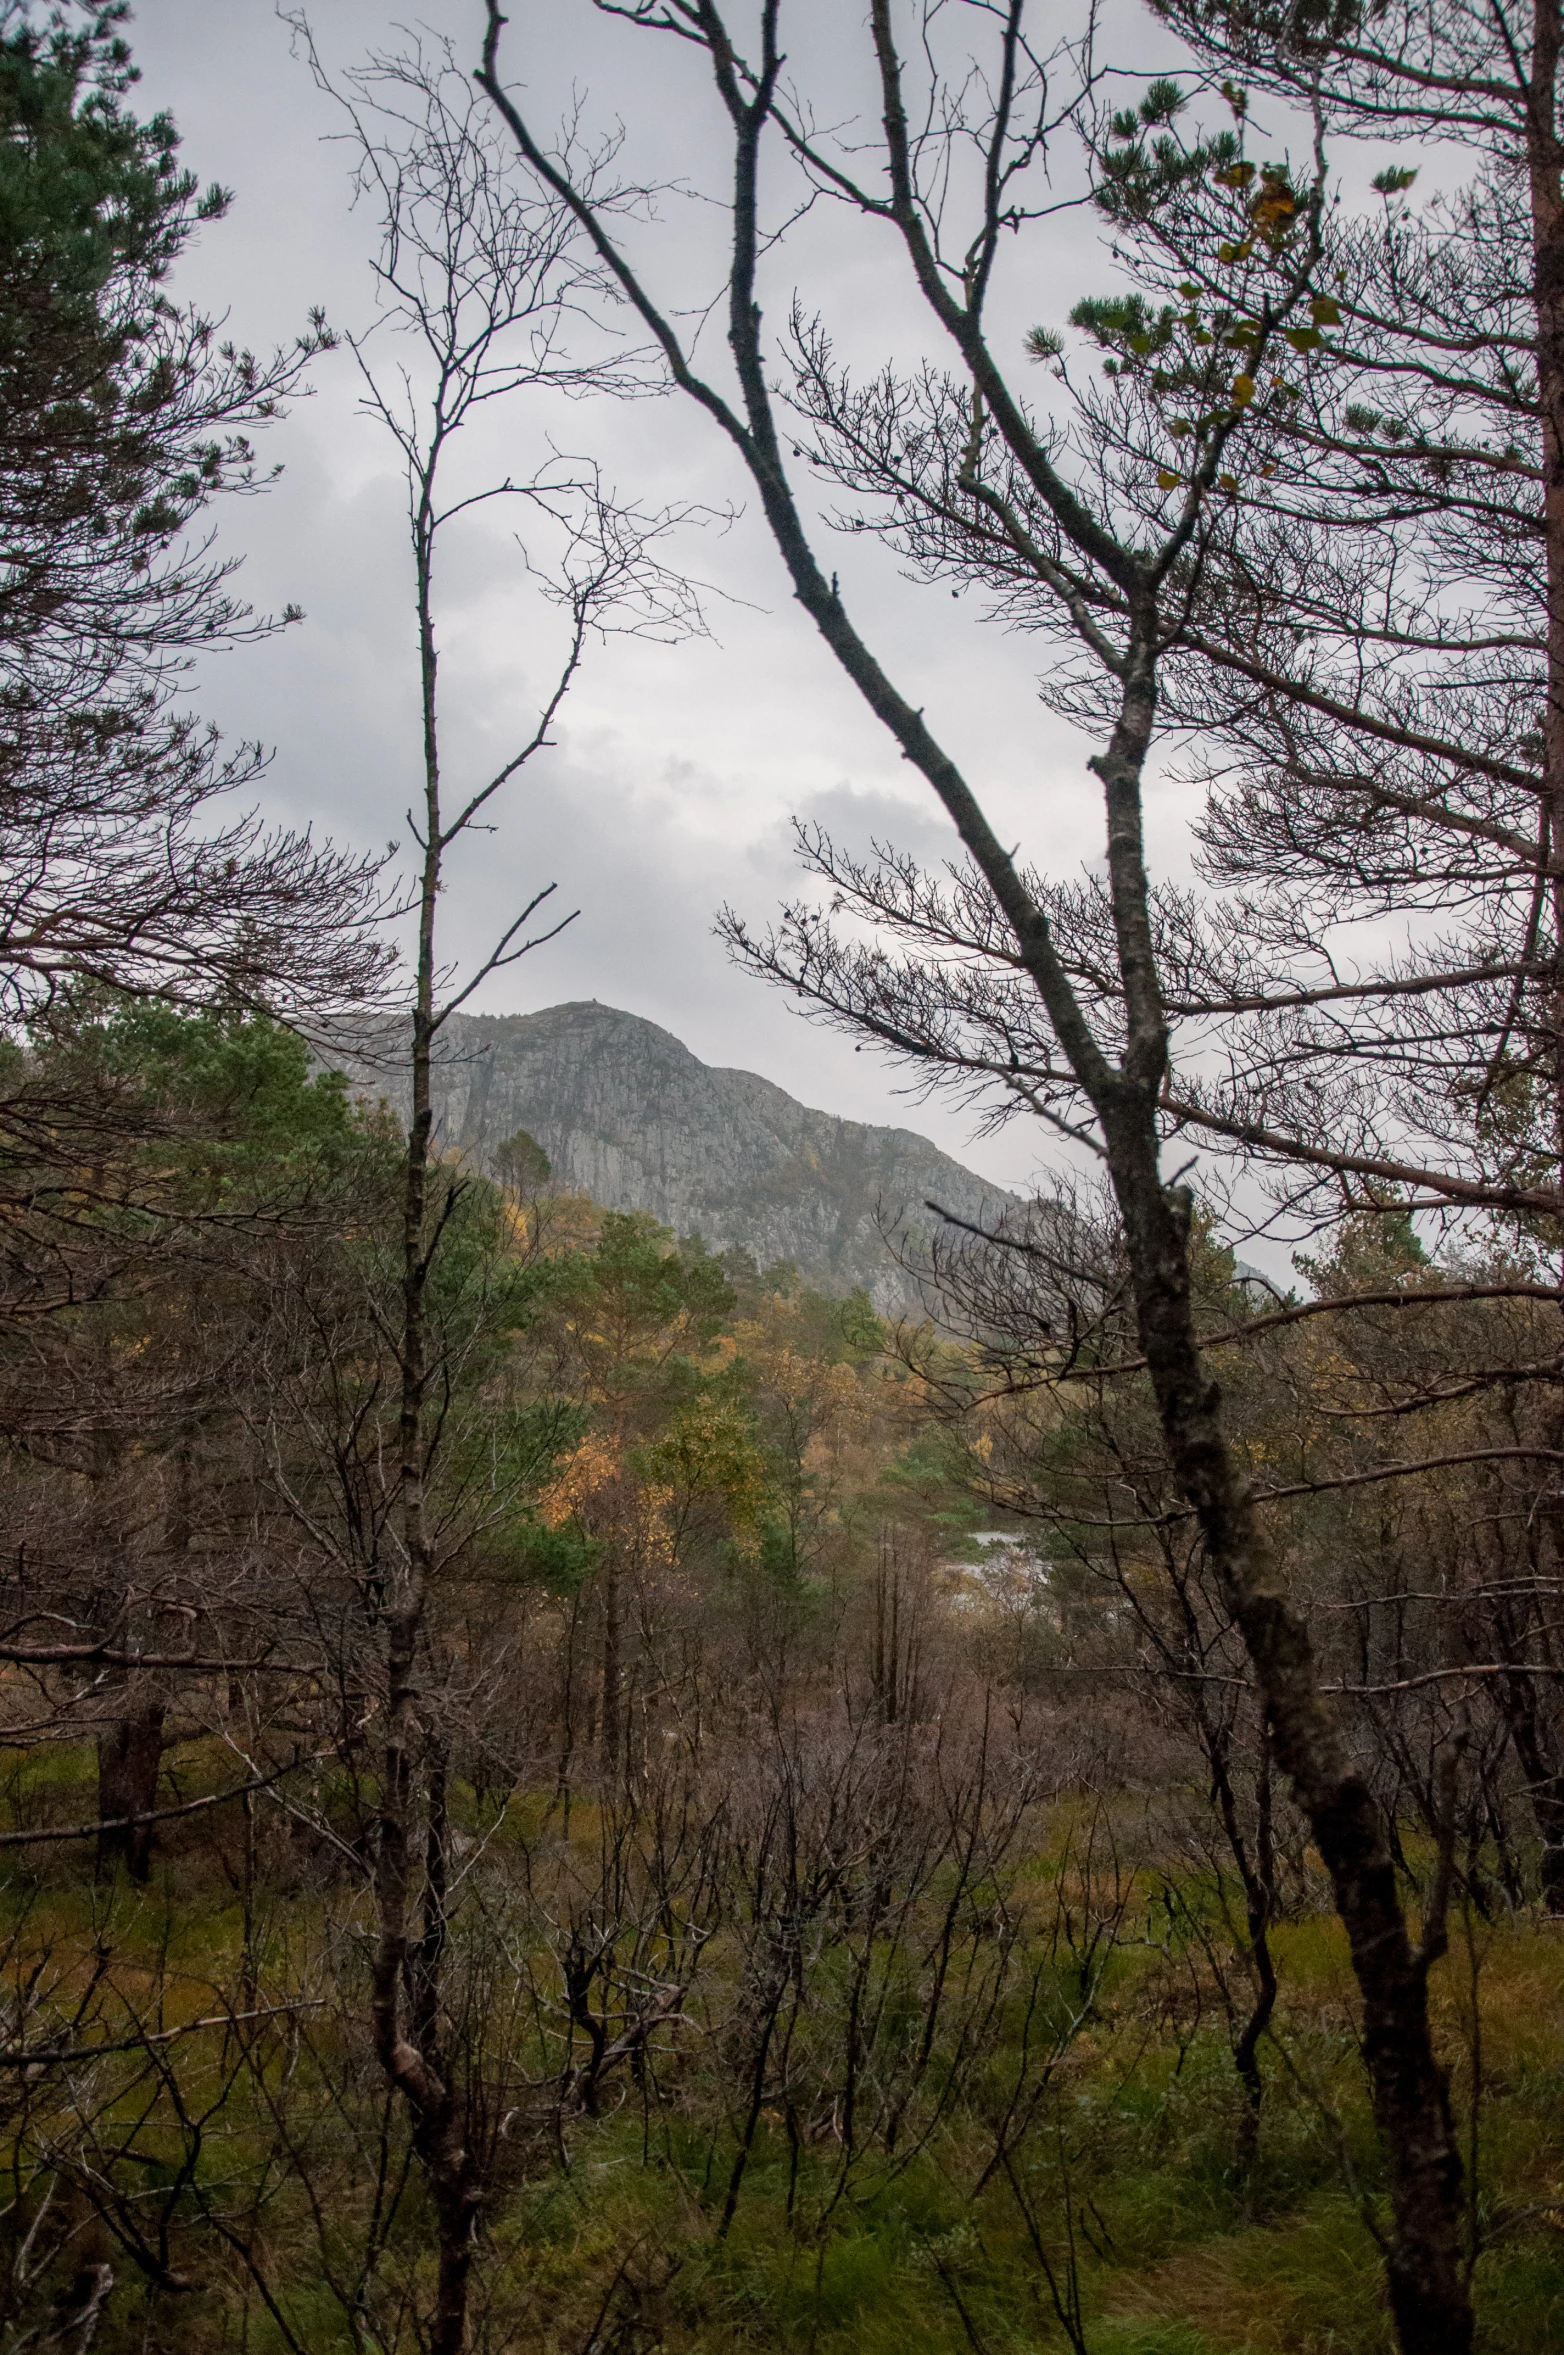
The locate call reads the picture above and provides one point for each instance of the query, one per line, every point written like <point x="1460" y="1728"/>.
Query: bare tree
<point x="946" y="183"/>
<point x="478" y="276"/>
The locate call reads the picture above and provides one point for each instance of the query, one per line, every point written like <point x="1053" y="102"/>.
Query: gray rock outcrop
<point x="628" y="1115"/>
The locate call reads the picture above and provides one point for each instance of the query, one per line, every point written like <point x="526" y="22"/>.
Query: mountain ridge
<point x="627" y="1113"/>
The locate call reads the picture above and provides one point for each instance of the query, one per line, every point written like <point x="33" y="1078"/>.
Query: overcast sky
<point x="676" y="769"/>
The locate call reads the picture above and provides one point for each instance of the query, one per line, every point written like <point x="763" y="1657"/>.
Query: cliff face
<point x="628" y="1115"/>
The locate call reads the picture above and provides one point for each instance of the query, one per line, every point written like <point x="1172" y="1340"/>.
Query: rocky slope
<point x="627" y="1114"/>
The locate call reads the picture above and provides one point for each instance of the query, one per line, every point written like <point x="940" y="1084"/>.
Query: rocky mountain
<point x="627" y="1114"/>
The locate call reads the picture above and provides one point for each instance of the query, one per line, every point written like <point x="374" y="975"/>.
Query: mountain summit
<point x="627" y="1114"/>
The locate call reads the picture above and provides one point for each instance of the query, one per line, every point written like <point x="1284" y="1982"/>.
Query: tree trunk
<point x="1428" y="2294"/>
<point x="1258" y="1875"/>
<point x="612" y="1665"/>
<point x="1545" y="154"/>
<point x="130" y="1758"/>
<point x="1544" y="1785"/>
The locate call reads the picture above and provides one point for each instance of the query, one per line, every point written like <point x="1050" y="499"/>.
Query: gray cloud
<point x="675" y="769"/>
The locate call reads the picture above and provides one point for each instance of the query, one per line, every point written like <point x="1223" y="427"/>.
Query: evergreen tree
<point x="122" y="417"/>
